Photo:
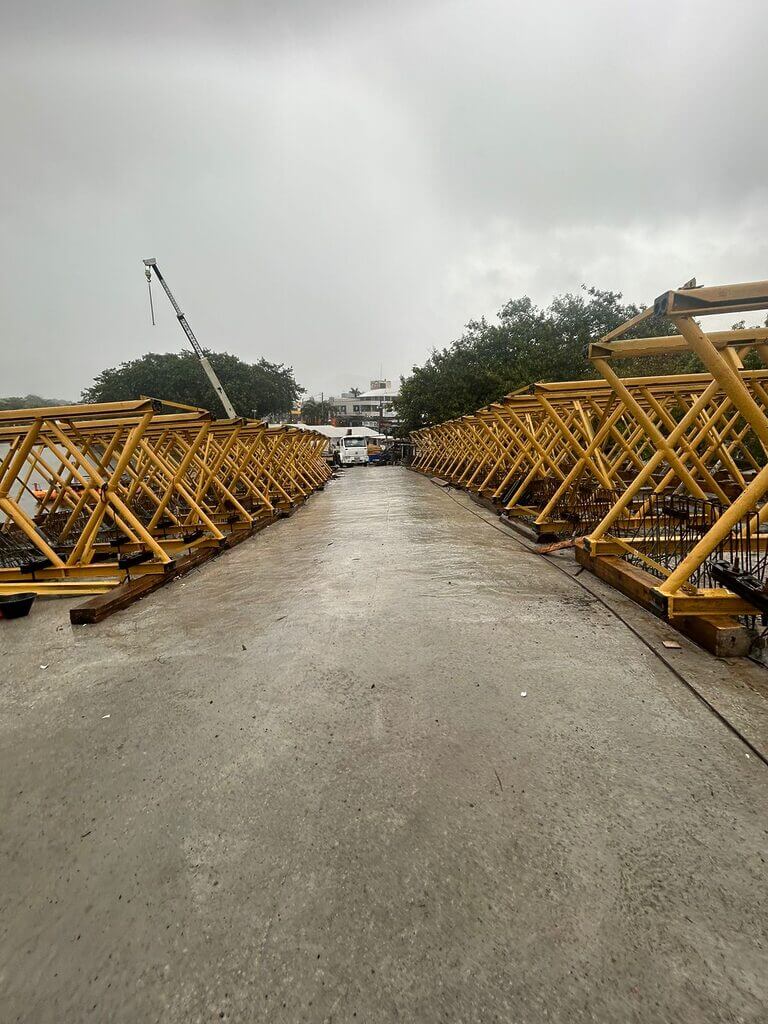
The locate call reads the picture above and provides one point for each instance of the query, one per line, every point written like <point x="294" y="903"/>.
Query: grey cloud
<point x="188" y="21"/>
<point x="340" y="186"/>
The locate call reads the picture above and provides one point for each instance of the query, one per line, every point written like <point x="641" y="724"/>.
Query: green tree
<point x="314" y="412"/>
<point x="255" y="389"/>
<point x="31" y="402"/>
<point x="525" y="345"/>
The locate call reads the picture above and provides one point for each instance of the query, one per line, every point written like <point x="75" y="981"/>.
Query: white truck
<point x="351" y="451"/>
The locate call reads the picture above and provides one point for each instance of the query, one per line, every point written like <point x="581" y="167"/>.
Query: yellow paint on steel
<point x="84" y="488"/>
<point x="634" y="447"/>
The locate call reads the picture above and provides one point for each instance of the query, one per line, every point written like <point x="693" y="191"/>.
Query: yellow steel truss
<point x="713" y="461"/>
<point x="91" y="494"/>
<point x="665" y="473"/>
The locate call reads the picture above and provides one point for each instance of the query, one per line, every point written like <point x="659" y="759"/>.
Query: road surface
<point x="378" y="764"/>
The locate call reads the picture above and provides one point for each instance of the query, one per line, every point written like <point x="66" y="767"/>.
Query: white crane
<point x="210" y="373"/>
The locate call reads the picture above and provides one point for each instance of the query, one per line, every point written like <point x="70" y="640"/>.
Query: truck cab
<point x="352" y="451"/>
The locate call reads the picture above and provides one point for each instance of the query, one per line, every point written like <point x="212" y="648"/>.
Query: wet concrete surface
<point x="320" y="796"/>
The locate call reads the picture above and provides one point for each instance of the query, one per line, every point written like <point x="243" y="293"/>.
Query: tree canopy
<point x="31" y="402"/>
<point x="255" y="389"/>
<point x="314" y="412"/>
<point x="526" y="345"/>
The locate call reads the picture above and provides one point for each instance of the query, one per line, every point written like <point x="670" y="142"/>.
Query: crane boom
<point x="218" y="387"/>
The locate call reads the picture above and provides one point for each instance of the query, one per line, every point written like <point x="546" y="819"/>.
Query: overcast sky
<point x="341" y="185"/>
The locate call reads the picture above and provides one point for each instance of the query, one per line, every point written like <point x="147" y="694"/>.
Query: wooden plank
<point x="721" y="636"/>
<point x="104" y="605"/>
<point x="100" y="607"/>
<point x="526" y="531"/>
<point x="97" y="608"/>
<point x="554" y="528"/>
<point x="725" y="638"/>
<point x="629" y="579"/>
<point x="483" y="502"/>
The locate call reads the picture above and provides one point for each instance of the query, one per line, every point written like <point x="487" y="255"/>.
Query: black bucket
<point x="16" y="606"/>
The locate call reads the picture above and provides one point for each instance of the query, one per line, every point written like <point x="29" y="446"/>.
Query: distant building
<point x="373" y="408"/>
<point x="334" y="433"/>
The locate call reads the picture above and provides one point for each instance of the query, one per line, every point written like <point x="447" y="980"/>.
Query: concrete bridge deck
<point x="303" y="784"/>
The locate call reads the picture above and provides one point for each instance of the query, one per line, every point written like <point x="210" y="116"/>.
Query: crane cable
<point x="149" y="287"/>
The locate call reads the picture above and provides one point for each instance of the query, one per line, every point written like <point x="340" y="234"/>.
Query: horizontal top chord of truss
<point x="111" y="410"/>
<point x="695" y="300"/>
<point x="742" y="339"/>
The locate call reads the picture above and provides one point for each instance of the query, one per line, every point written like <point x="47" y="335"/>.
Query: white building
<point x="370" y="407"/>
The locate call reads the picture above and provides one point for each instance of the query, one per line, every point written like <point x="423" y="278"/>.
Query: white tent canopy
<point x="335" y="432"/>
